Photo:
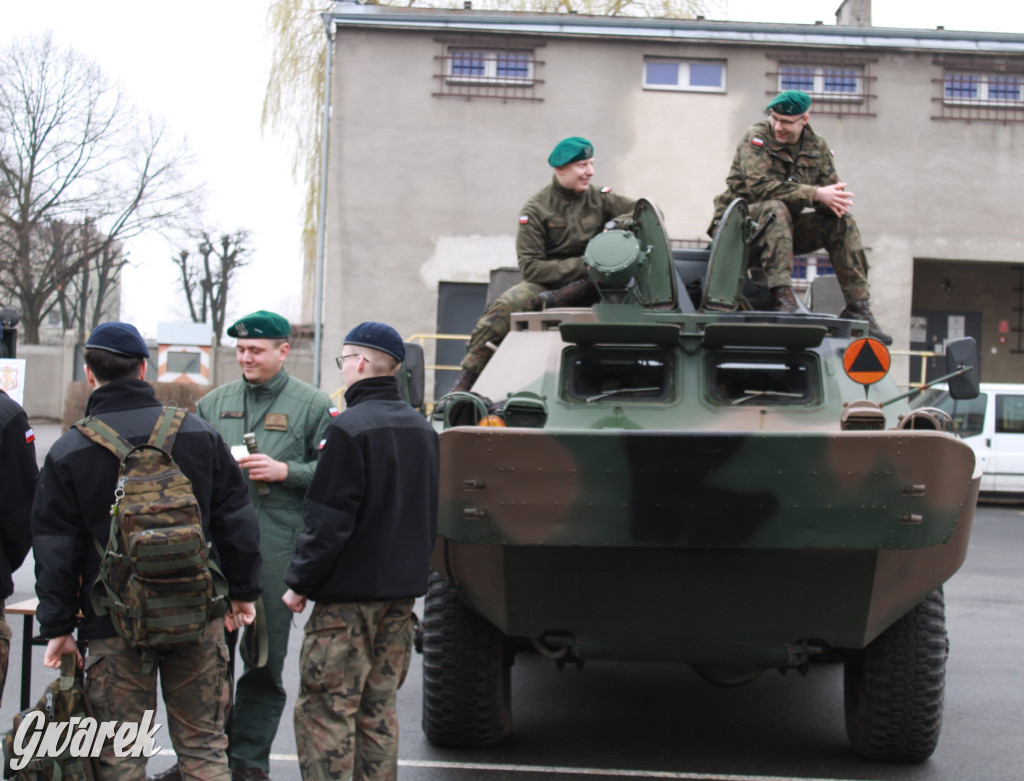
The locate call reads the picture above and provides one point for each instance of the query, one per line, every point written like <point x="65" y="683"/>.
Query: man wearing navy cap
<point x="554" y="228"/>
<point x="288" y="418"/>
<point x="71" y="525"/>
<point x="363" y="558"/>
<point x="783" y="168"/>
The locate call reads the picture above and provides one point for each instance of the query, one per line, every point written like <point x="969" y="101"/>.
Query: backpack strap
<point x="166" y="428"/>
<point x="95" y="430"/>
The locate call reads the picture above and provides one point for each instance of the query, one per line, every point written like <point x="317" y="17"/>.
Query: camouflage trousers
<point x="354" y="658"/>
<point x="5" y="649"/>
<point x="805" y="233"/>
<point x="196" y="692"/>
<point x="494" y="324"/>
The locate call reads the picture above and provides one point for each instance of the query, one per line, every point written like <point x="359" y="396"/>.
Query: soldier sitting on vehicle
<point x="784" y="170"/>
<point x="554" y="228"/>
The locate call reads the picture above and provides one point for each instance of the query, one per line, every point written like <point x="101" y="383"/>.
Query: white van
<point x="993" y="425"/>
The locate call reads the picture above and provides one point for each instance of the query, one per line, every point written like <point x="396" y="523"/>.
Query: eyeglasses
<point x="341" y="358"/>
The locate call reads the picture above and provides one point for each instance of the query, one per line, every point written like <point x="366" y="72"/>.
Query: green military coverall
<point x="781" y="179"/>
<point x="289" y="418"/>
<point x="554" y="228"/>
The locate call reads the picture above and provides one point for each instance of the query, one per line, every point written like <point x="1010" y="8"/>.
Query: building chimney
<point x="854" y="13"/>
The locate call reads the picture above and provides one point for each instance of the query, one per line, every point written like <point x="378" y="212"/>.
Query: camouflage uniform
<point x="18" y="475"/>
<point x="554" y="228"/>
<point x="354" y="659"/>
<point x="196" y="691"/>
<point x="781" y="179"/>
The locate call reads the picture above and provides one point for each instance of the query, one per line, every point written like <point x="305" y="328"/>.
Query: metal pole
<point x="318" y="298"/>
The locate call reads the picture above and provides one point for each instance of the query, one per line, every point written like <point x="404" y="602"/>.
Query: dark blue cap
<point x="118" y="338"/>
<point x="378" y="336"/>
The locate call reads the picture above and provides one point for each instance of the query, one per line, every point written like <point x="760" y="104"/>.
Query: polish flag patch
<point x="30" y="436"/>
<point x="333" y="412"/>
<point x="606" y="189"/>
<point x="523" y="219"/>
<point x="758" y="142"/>
<point x="322" y="443"/>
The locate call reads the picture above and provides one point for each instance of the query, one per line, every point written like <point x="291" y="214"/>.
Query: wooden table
<point x="26" y="608"/>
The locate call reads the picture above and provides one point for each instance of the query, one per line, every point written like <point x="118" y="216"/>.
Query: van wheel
<point x="466" y="672"/>
<point x="894" y="687"/>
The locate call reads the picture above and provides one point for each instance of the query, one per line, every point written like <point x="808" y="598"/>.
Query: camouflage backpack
<point x="156" y="579"/>
<point x="63" y="699"/>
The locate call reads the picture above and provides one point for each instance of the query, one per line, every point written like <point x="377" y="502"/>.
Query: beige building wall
<point x="424" y="189"/>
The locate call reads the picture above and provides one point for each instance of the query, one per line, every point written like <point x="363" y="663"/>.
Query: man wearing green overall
<point x="288" y="418"/>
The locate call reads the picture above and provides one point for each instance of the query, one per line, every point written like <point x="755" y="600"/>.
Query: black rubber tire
<point x="894" y="688"/>
<point x="466" y="672"/>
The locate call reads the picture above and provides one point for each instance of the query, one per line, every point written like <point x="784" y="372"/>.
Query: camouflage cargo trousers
<point x="494" y="324"/>
<point x="806" y="232"/>
<point x="5" y="649"/>
<point x="354" y="658"/>
<point x="196" y="693"/>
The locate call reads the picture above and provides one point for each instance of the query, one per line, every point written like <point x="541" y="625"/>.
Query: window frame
<point x="812" y="398"/>
<point x="819" y="79"/>
<point x="982" y="81"/>
<point x="687" y="61"/>
<point x="571" y="393"/>
<point x="491" y="57"/>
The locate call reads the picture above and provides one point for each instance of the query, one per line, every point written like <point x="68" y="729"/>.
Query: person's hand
<point x="836" y="198"/>
<point x="262" y="468"/>
<point x="57" y="647"/>
<point x="295" y="602"/>
<point x="241" y="614"/>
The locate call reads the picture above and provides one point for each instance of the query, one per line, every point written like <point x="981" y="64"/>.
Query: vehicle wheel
<point x="466" y="672"/>
<point x="894" y="688"/>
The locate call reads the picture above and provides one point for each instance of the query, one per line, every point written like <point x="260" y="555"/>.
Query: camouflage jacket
<point x="765" y="170"/>
<point x="555" y="226"/>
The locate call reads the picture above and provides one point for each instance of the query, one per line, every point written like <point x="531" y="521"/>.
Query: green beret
<point x="260" y="325"/>
<point x="791" y="103"/>
<point x="569" y="150"/>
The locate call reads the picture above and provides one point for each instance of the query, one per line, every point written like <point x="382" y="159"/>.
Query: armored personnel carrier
<point x="661" y="479"/>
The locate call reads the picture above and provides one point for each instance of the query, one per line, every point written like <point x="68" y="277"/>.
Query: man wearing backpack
<point x="288" y="419"/>
<point x="71" y="525"/>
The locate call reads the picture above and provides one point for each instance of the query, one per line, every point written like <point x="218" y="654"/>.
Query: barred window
<point x="684" y="75"/>
<point x="979" y="88"/>
<point x="487" y="72"/>
<point x="823" y="82"/>
<point x="840" y="84"/>
<point x="990" y="88"/>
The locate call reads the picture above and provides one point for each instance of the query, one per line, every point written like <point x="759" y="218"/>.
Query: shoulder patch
<point x="333" y="411"/>
<point x="30" y="436"/>
<point x="606" y="189"/>
<point x="757" y="142"/>
<point x="523" y="219"/>
<point x="322" y="443"/>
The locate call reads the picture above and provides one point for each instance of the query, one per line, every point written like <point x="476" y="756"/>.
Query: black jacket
<point x="18" y="474"/>
<point x="76" y="489"/>
<point x="371" y="513"/>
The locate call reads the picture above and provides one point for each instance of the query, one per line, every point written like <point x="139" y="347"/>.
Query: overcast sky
<point x="202" y="65"/>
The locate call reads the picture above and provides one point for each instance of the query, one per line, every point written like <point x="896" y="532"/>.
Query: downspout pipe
<point x="321" y="230"/>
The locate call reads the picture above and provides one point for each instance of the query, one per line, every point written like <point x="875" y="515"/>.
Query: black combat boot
<point x="170" y="774"/>
<point x="786" y="300"/>
<point x="579" y="293"/>
<point x="860" y="310"/>
<point x="465" y="381"/>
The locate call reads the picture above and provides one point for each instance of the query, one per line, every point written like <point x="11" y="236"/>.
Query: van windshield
<point x="968" y="414"/>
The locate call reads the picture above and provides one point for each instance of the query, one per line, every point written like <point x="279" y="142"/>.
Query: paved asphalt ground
<point x="661" y="721"/>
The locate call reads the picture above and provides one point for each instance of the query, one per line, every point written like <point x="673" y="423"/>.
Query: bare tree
<point x="79" y="175"/>
<point x="207" y="275"/>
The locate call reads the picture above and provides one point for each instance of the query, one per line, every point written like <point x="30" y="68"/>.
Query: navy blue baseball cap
<point x="379" y="336"/>
<point x="118" y="338"/>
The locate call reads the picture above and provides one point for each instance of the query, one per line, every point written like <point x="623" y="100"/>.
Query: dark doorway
<point x="929" y="330"/>
<point x="459" y="306"/>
